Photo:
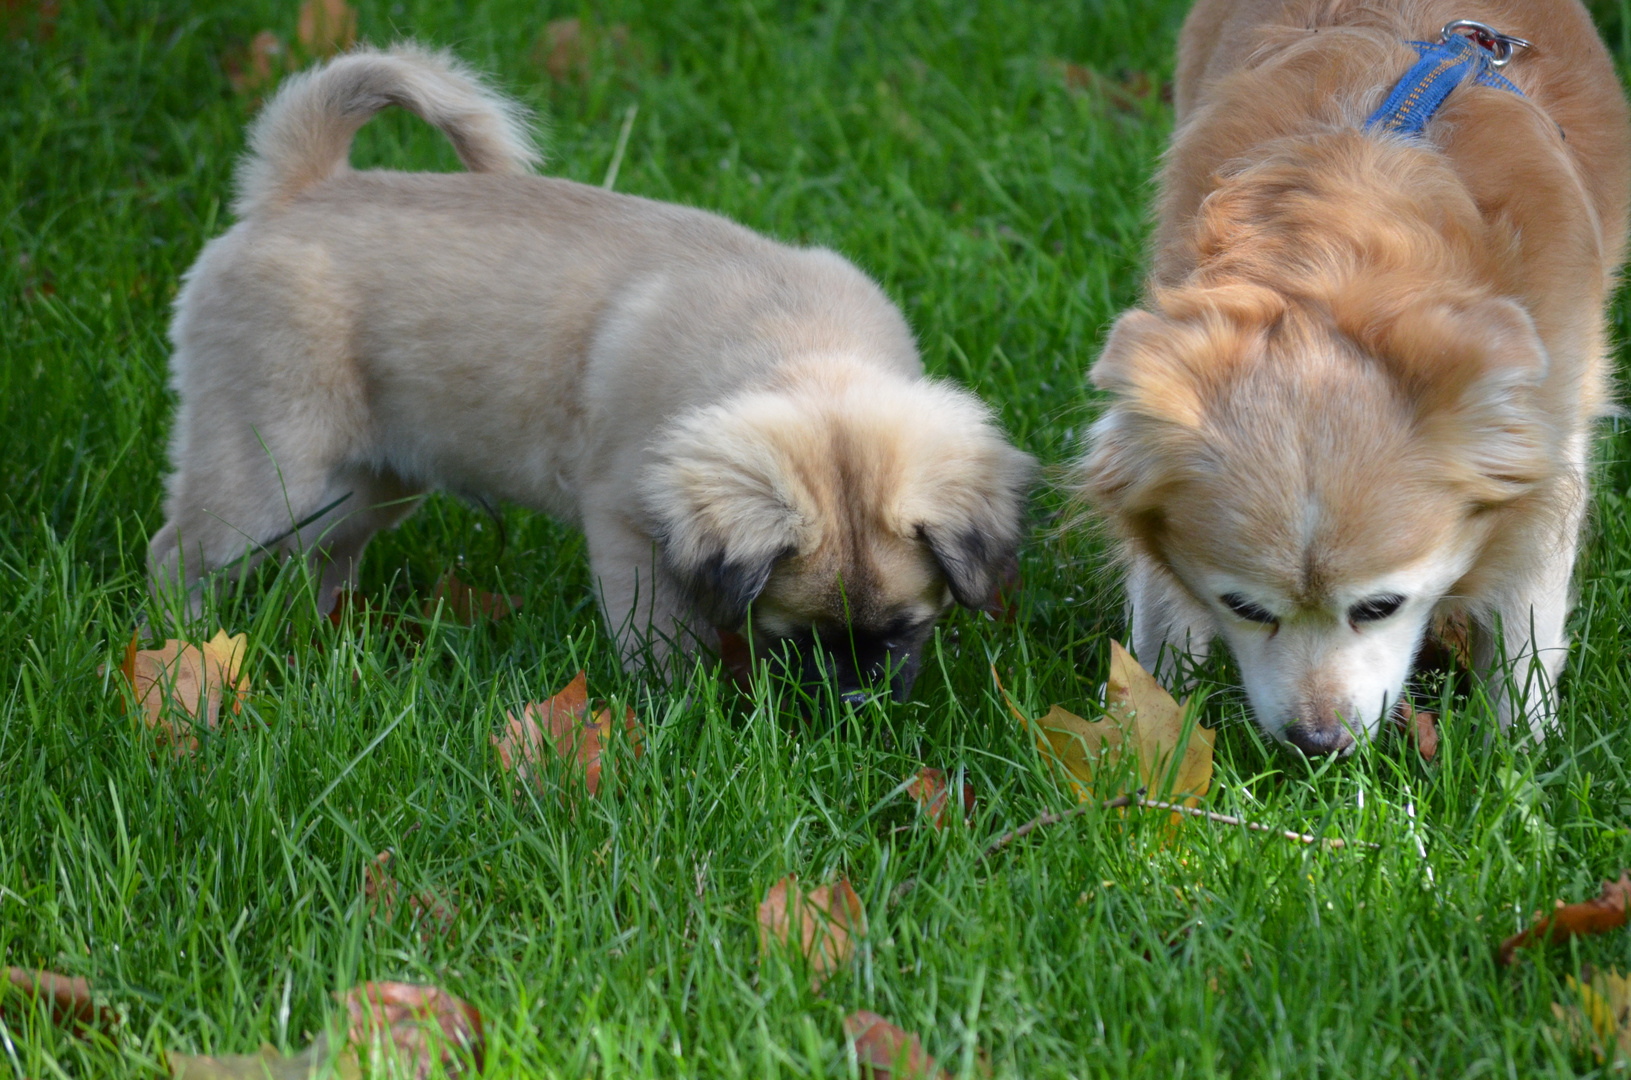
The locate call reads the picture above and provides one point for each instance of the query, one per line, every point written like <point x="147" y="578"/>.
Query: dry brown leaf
<point x="827" y="918"/>
<point x="930" y="789"/>
<point x="427" y="911"/>
<point x="466" y="605"/>
<point x="562" y="724"/>
<point x="1601" y="1016"/>
<point x="1419" y="726"/>
<point x="268" y="1064"/>
<point x="1604" y="912"/>
<point x="737" y="658"/>
<point x="18" y="17"/>
<point x="1140" y="714"/>
<point x="403" y="1026"/>
<point x="326" y="27"/>
<point x="257" y="66"/>
<point x="392" y="627"/>
<point x="567" y="49"/>
<point x="69" y="999"/>
<point x="1128" y="94"/>
<point x="885" y="1052"/>
<point x="172" y="684"/>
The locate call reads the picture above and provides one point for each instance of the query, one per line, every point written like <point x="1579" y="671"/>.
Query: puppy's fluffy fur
<point x="1360" y="392"/>
<point x="730" y="421"/>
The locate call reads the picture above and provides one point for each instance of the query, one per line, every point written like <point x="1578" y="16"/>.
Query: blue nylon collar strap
<point x="1443" y="67"/>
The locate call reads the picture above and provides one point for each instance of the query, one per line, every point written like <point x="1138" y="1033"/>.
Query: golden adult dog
<point x="733" y="423"/>
<point x="1361" y="390"/>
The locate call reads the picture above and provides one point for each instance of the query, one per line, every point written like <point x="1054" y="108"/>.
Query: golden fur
<point x="731" y="421"/>
<point x="1368" y="365"/>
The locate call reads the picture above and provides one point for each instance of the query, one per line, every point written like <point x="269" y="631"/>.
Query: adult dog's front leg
<point x="1171" y="633"/>
<point x="1524" y="656"/>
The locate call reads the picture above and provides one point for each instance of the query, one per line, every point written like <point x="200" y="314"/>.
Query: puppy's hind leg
<point x="1171" y="633"/>
<point x="368" y="500"/>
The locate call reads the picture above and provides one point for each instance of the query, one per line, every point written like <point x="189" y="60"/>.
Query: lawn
<point x="989" y="163"/>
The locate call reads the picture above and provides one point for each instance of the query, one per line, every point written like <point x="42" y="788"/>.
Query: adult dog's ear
<point x="722" y="506"/>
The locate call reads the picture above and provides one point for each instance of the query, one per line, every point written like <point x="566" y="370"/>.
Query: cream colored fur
<point x="718" y="412"/>
<point x="1367" y="366"/>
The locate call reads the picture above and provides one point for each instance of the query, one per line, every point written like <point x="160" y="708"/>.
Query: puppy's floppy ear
<point x="968" y="499"/>
<point x="1474" y="371"/>
<point x="723" y="505"/>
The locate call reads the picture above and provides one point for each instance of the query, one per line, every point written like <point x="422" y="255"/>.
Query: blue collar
<point x="1443" y="66"/>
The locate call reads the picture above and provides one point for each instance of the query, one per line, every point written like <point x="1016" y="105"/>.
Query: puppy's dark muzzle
<point x="1318" y="740"/>
<point x="838" y="674"/>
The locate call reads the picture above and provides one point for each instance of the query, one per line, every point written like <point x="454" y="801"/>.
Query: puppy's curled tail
<point x="304" y="135"/>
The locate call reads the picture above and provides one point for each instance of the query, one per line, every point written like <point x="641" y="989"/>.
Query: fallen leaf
<point x="172" y="684"/>
<point x="1140" y="715"/>
<point x="326" y="27"/>
<point x="392" y="627"/>
<point x="884" y="1051"/>
<point x="1606" y="911"/>
<point x="563" y="724"/>
<point x="1003" y="603"/>
<point x="1128" y="94"/>
<point x="737" y="658"/>
<point x="1601" y="1016"/>
<point x="403" y="1026"/>
<point x="19" y="16"/>
<point x="466" y="605"/>
<point x="68" y="997"/>
<point x="567" y="47"/>
<point x="382" y="895"/>
<point x="931" y="791"/>
<point x="826" y="919"/>
<point x="257" y="66"/>
<point x="1419" y="726"/>
<point x="268" y="1064"/>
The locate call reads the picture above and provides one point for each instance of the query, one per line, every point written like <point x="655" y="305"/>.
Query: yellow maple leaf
<point x="1601" y="1018"/>
<point x="1172" y="758"/>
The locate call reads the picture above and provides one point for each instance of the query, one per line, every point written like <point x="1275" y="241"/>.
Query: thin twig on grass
<point x="1139" y="801"/>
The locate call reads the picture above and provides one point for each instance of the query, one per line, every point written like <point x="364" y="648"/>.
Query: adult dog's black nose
<point x="1317" y="740"/>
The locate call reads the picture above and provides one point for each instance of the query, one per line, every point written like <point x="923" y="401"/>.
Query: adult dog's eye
<point x="1375" y="609"/>
<point x="1247" y="610"/>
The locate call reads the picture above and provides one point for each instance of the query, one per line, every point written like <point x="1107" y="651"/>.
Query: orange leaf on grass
<point x="819" y="924"/>
<point x="1419" y="726"/>
<point x="181" y="684"/>
<point x="407" y="1026"/>
<point x="1606" y="911"/>
<point x="258" y="65"/>
<point x="428" y="912"/>
<point x="562" y="725"/>
<point x="931" y="791"/>
<point x="69" y="998"/>
<point x="885" y="1052"/>
<point x="466" y="604"/>
<point x="326" y="27"/>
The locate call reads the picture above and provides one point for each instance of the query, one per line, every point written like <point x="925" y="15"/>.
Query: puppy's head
<point x="1318" y="483"/>
<point x="836" y="516"/>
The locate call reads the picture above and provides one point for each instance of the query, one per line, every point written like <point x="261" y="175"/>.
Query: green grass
<point x="217" y="901"/>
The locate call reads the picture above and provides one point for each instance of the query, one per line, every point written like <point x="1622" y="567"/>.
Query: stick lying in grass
<point x="1042" y="820"/>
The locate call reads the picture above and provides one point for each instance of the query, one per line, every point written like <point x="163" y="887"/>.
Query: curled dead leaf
<point x="886" y="1052"/>
<point x="181" y="684"/>
<point x="411" y="1029"/>
<point x="931" y="791"/>
<point x="1604" y="912"/>
<point x="68" y="997"/>
<point x="467" y="605"/>
<point x="568" y="47"/>
<point x="268" y="1064"/>
<point x="326" y="27"/>
<point x="258" y="65"/>
<point x="427" y="911"/>
<point x="819" y="924"/>
<point x="563" y="726"/>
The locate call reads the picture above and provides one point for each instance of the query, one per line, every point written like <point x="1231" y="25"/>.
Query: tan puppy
<point x="732" y="422"/>
<point x="1361" y="392"/>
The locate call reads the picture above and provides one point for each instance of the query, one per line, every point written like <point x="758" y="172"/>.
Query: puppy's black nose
<point x="1318" y="740"/>
<point x="855" y="698"/>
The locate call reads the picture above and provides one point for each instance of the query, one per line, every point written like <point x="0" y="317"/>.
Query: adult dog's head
<point x="834" y="516"/>
<point x="1320" y="478"/>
